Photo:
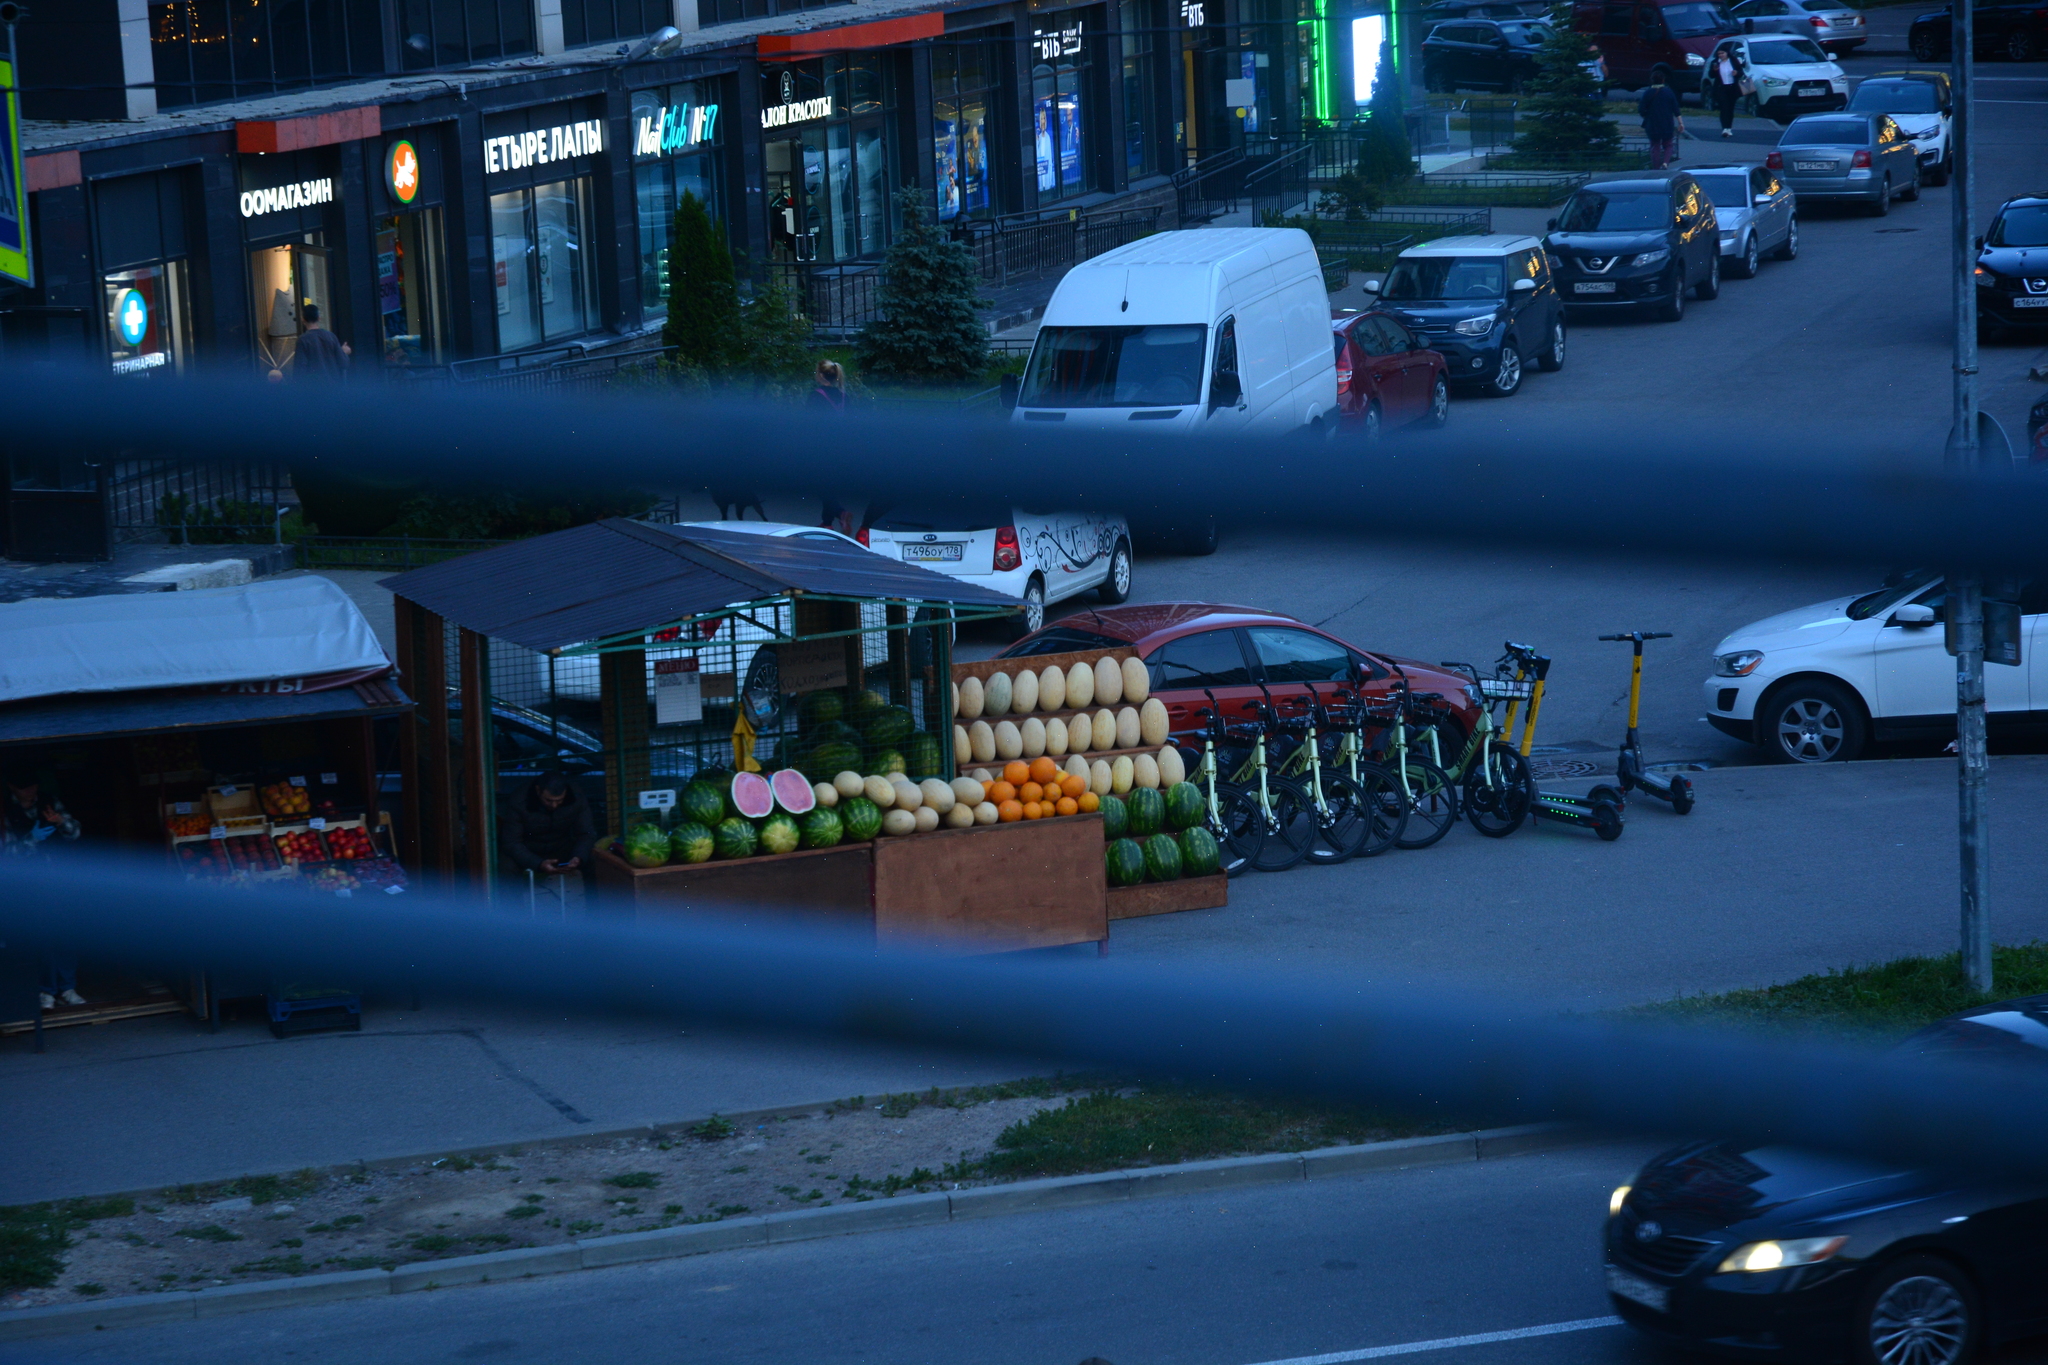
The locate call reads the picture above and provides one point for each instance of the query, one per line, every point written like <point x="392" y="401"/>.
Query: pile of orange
<point x="1038" y="790"/>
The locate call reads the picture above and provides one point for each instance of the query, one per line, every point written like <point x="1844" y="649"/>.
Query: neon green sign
<point x="14" y="252"/>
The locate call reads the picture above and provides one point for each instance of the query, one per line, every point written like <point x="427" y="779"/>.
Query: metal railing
<point x="223" y="502"/>
<point x="1021" y="245"/>
<point x="553" y="368"/>
<point x="839" y="300"/>
<point x="1211" y="185"/>
<point x="382" y="552"/>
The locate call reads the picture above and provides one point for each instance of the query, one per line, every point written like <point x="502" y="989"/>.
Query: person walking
<point x="321" y="354"/>
<point x="1659" y="109"/>
<point x="32" y="823"/>
<point x="828" y="394"/>
<point x="548" y="833"/>
<point x="1727" y="78"/>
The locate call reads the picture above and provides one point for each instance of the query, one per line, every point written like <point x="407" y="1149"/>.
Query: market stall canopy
<point x="303" y="631"/>
<point x="618" y="576"/>
<point x="103" y="716"/>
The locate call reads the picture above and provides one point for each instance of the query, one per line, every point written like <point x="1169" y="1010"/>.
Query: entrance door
<point x="795" y="169"/>
<point x="282" y="281"/>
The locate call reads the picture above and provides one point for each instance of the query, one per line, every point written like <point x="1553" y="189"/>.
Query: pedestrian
<point x="321" y="354"/>
<point x="1659" y="109"/>
<point x="549" y="832"/>
<point x="828" y="394"/>
<point x="1728" y="79"/>
<point x="33" y="823"/>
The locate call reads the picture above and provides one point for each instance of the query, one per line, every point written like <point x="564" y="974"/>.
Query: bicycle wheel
<point x="1498" y="794"/>
<point x="1366" y="815"/>
<point x="1241" y="831"/>
<point x="1290" y="824"/>
<point x="1432" y="805"/>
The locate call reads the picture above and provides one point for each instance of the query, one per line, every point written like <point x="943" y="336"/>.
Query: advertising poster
<point x="1070" y="140"/>
<point x="1042" y="129"/>
<point x="946" y="155"/>
<point x="14" y="252"/>
<point x="974" y="157"/>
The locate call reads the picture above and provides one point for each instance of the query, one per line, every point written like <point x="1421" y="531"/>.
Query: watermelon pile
<point x="780" y="834"/>
<point x="1162" y="858"/>
<point x="823" y="829"/>
<point x="1200" y="856"/>
<point x="1125" y="862"/>
<point x="1147" y="812"/>
<point x="861" y="817"/>
<point x="1116" y="818"/>
<point x="646" y="845"/>
<point x="700" y="803"/>
<point x="735" y="838"/>
<point x="690" y="843"/>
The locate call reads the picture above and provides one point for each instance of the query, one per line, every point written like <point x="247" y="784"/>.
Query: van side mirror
<point x="1007" y="392"/>
<point x="1225" y="391"/>
<point x="1914" y="614"/>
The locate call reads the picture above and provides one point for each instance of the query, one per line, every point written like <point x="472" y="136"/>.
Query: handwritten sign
<point x="810" y="665"/>
<point x="678" y="692"/>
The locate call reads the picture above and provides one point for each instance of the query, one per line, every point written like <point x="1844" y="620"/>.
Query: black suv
<point x="1485" y="304"/>
<point x="2016" y="30"/>
<point x="2012" y="267"/>
<point x="1481" y="54"/>
<point x="1637" y="243"/>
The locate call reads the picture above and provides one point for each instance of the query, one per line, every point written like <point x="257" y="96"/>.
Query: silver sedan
<point x="1835" y="26"/>
<point x="1850" y="157"/>
<point x="1755" y="212"/>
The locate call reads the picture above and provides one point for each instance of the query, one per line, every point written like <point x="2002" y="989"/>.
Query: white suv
<point x="1815" y="685"/>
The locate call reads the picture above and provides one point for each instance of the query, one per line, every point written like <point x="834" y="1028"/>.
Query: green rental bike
<point x="1230" y="813"/>
<point x="1356" y="811"/>
<point x="1495" y="789"/>
<point x="1427" y="791"/>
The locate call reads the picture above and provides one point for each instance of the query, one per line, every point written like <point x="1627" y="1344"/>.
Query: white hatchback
<point x="1792" y="75"/>
<point x="1817" y="684"/>
<point x="1037" y="557"/>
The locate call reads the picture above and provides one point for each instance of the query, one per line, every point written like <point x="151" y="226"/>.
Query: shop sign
<point x="1191" y="13"/>
<point x="677" y="128"/>
<point x="797" y="111"/>
<point x="402" y="172"/>
<point x="543" y="146"/>
<point x="131" y="314"/>
<point x="678" y="692"/>
<point x="1055" y="43"/>
<point x="300" y="194"/>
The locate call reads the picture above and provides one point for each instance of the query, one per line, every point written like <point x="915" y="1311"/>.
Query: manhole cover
<point x="1548" y="768"/>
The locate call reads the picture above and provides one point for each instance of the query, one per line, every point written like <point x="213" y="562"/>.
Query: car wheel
<point x="1710" y="287"/>
<point x="1117" y="586"/>
<point x="1988" y="332"/>
<point x="1814" y="721"/>
<point x="1924" y="48"/>
<point x="1788" y="250"/>
<point x="1746" y="263"/>
<point x="1919" y="1310"/>
<point x="1882" y="205"/>
<point x="2019" y="47"/>
<point x="1369" y="425"/>
<point x="1751" y="107"/>
<point x="1033" y="617"/>
<point x="1199" y="539"/>
<point x="1439" y="402"/>
<point x="1508" y="377"/>
<point x="1911" y="194"/>
<point x="1944" y="171"/>
<point x="1552" y="358"/>
<point x="1674" y="306"/>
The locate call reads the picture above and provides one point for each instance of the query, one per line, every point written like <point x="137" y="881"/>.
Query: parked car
<point x="1486" y="304"/>
<point x="1781" y="1253"/>
<point x="1836" y="27"/>
<point x="1386" y="375"/>
<point x="1793" y="77"/>
<point x="1038" y="557"/>
<point x="1638" y="243"/>
<point x="1481" y="54"/>
<point x="1639" y="39"/>
<point x="1922" y="110"/>
<point x="1444" y="10"/>
<point x="2016" y="30"/>
<point x="1231" y="651"/>
<point x="1816" y="684"/>
<point x="2012" y="270"/>
<point x="1756" y="213"/>
<point x="1853" y="158"/>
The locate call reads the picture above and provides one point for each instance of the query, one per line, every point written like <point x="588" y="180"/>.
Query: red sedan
<point x="1189" y="646"/>
<point x="1386" y="377"/>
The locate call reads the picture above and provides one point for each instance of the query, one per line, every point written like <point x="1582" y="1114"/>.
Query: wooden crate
<point x="993" y="888"/>
<point x="1166" y="898"/>
<point x="830" y="882"/>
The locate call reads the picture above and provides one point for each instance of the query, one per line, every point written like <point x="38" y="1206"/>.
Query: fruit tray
<point x="231" y="799"/>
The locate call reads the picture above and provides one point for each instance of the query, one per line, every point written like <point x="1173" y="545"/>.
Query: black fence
<point x="226" y="502"/>
<point x="381" y="552"/>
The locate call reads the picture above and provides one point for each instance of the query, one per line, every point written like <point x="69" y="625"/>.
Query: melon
<point x="956" y="699"/>
<point x="1137" y="680"/>
<point x="963" y="747"/>
<point x="1080" y="685"/>
<point x="889" y="761"/>
<point x="1109" y="681"/>
<point x="792" y="791"/>
<point x="1031" y="735"/>
<point x="702" y="804"/>
<point x="1105" y="730"/>
<point x="1024" y="692"/>
<point x="909" y="796"/>
<point x="1145" y="772"/>
<point x="1173" y="769"/>
<point x="1184" y="806"/>
<point x="985" y="813"/>
<point x="1162" y="858"/>
<point x="824" y="794"/>
<point x="1052" y="689"/>
<point x="1148" y="811"/>
<point x="890" y="727"/>
<point x="938" y="795"/>
<point x="1009" y="741"/>
<point x="1080" y="734"/>
<point x="823" y="829"/>
<point x="1120" y="775"/>
<point x="1078" y="766"/>
<point x="972" y="702"/>
<point x="1152" y="722"/>
<point x="780" y="833"/>
<point x="1199" y="854"/>
<point x="735" y="838"/>
<point x="1127" y="728"/>
<point x="897" y="823"/>
<point x="849" y="783"/>
<point x="923" y="753"/>
<point x="691" y="843"/>
<point x="927" y="819"/>
<point x="1100" y="777"/>
<point x="1056" y="737"/>
<point x="752" y="796"/>
<point x="1116" y="817"/>
<point x="997" y="692"/>
<point x="968" y="791"/>
<point x="960" y="817"/>
<point x="1125" y="862"/>
<point x="983" y="776"/>
<point x="861" y="817"/>
<point x="981" y="738"/>
<point x="864" y="704"/>
<point x="879" y="790"/>
<point x="816" y="708"/>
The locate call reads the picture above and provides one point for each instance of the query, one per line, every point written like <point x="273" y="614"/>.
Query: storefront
<point x="970" y="94"/>
<point x="146" y="225"/>
<point x="1064" y="102"/>
<point x="408" y="227"/>
<point x="291" y="229"/>
<point x="828" y="153"/>
<point x="541" y="168"/>
<point x="678" y="148"/>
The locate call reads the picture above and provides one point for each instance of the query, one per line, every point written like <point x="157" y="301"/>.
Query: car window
<point x="1649" y="24"/>
<point x="1106" y="367"/>
<point x="1697" y="20"/>
<point x="1895" y="97"/>
<point x="1729" y="190"/>
<point x="1525" y="35"/>
<point x="1785" y="52"/>
<point x="1614" y="21"/>
<point x="2008" y="1037"/>
<point x="1062" y="640"/>
<point x="1872" y="603"/>
<point x="1444" y="277"/>
<point x="1826" y="132"/>
<point x="1298" y="656"/>
<point x="2020" y="225"/>
<point x="1397" y="337"/>
<point x="1370" y="339"/>
<point x="1209" y="659"/>
<point x="1591" y="211"/>
<point x="1226" y="347"/>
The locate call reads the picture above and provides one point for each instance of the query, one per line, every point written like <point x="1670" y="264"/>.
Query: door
<point x="1400" y="371"/>
<point x="1212" y="659"/>
<point x="1696" y="230"/>
<point x="1378" y="376"/>
<point x="283" y="280"/>
<point x="1529" y="312"/>
<point x="1900" y="158"/>
<point x="1773" y="217"/>
<point x="1916" y="677"/>
<point x="1225" y="374"/>
<point x="1651" y="39"/>
<point x="794" y="169"/>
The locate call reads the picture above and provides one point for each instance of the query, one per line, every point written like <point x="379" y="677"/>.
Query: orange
<point x="1072" y="785"/>
<point x="1088" y="802"/>
<point x="1068" y="806"/>
<point x="1016" y="772"/>
<point x="1008" y="810"/>
<point x="1030" y="792"/>
<point x="1044" y="770"/>
<point x="1032" y="810"/>
<point x="1000" y="792"/>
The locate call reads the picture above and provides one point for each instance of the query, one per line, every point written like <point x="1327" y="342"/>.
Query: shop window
<point x="1058" y="112"/>
<point x="412" y="324"/>
<point x="966" y="88"/>
<point x="148" y="319"/>
<point x="457" y="32"/>
<point x="603" y="21"/>
<point x="204" y="50"/>
<point x="1145" y="86"/>
<point x="546" y="287"/>
<point x="829" y="175"/>
<point x="283" y="280"/>
<point x="677" y="135"/>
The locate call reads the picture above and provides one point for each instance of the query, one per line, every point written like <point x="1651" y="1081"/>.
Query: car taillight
<point x="1775" y="161"/>
<point x="1817" y="21"/>
<point x="861" y="535"/>
<point x="1344" y="373"/>
<point x="1008" y="556"/>
<point x="1861" y="158"/>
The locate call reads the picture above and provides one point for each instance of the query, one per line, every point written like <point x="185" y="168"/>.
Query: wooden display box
<point x="833" y="883"/>
<point x="1166" y="898"/>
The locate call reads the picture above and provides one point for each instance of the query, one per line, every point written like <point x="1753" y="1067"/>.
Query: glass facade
<point x="1059" y="100"/>
<point x="827" y="156"/>
<point x="678" y="132"/>
<point x="202" y="50"/>
<point x="967" y="81"/>
<point x="413" y="324"/>
<point x="149" y="327"/>
<point x="435" y="33"/>
<point x="1145" y="86"/>
<point x="546" y="289"/>
<point x="604" y="21"/>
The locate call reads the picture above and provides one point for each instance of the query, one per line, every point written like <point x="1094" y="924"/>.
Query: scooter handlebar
<point x="1638" y="636"/>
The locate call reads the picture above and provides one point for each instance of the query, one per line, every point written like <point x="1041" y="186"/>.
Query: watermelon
<point x="924" y="756"/>
<point x="1125" y="861"/>
<point x="718" y="779"/>
<point x="1116" y="818"/>
<point x="861" y="705"/>
<point x="1184" y="806"/>
<point x="752" y="796"/>
<point x="691" y="843"/>
<point x="793" y="791"/>
<point x="1199" y="855"/>
<point x="702" y="804"/>
<point x="1162" y="858"/>
<point x="886" y="761"/>
<point x="817" y="709"/>
<point x="780" y="834"/>
<point x="835" y="732"/>
<point x="890" y="727"/>
<point x="829" y="760"/>
<point x="735" y="838"/>
<point x="861" y="817"/>
<point x="822" y="829"/>
<point x="1147" y="811"/>
<point x="647" y="845"/>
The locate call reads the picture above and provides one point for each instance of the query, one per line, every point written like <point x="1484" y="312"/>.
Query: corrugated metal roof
<point x="106" y="714"/>
<point x="618" y="576"/>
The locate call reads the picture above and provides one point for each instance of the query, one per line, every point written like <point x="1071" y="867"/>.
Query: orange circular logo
<point x="402" y="172"/>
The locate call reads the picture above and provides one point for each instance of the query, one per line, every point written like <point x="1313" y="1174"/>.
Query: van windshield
<point x="1696" y="20"/>
<point x="1444" y="277"/>
<point x="1115" y="367"/>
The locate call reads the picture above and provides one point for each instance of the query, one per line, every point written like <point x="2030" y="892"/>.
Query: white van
<point x="1219" y="331"/>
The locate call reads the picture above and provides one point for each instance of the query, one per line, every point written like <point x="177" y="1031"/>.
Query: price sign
<point x="394" y="891"/>
<point x="217" y="832"/>
<point x="296" y="781"/>
<point x="181" y="807"/>
<point x="329" y="779"/>
<point x="317" y="822"/>
<point x="229" y="791"/>
<point x="662" y="799"/>
<point x="678" y="692"/>
<point x="810" y="665"/>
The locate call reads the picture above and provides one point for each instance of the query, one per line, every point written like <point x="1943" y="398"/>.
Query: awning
<point x="100" y="716"/>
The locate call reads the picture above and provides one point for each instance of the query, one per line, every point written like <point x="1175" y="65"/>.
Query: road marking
<point x="1984" y="101"/>
<point x="1548" y="1329"/>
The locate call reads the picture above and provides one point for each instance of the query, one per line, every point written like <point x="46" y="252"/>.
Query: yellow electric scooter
<point x="1675" y="789"/>
<point x="1601" y="809"/>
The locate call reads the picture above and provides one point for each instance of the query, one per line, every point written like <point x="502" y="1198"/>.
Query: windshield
<point x="1696" y="20"/>
<point x="1826" y="132"/>
<point x="1727" y="191"/>
<point x="1871" y="603"/>
<point x="1444" y="277"/>
<point x="1115" y="367"/>
<point x="2008" y="1037"/>
<point x="964" y="516"/>
<point x="2026" y="225"/>
<point x="1525" y="35"/>
<point x="1592" y="211"/>
<point x="1895" y="97"/>
<point x="1787" y="52"/>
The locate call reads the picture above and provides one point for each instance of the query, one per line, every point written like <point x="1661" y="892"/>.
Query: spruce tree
<point x="1563" y="110"/>
<point x="773" y="337"/>
<point x="927" y="330"/>
<point x="1385" y="156"/>
<point x="703" y="297"/>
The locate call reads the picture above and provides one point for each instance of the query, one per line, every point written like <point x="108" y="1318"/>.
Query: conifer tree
<point x="1563" y="111"/>
<point x="927" y="331"/>
<point x="703" y="297"/>
<point x="1385" y="156"/>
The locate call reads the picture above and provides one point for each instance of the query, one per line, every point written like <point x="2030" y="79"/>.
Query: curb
<point x="695" y="1239"/>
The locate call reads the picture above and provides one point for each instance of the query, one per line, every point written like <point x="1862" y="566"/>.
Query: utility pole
<point x="1966" y="583"/>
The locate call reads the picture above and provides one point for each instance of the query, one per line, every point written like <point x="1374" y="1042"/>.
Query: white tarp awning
<point x="259" y="632"/>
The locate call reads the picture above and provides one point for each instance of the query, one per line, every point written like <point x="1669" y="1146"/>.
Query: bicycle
<point x="1277" y="805"/>
<point x="1495" y="789"/>
<point x="1426" y="790"/>
<point x="1229" y="814"/>
<point x="1357" y="814"/>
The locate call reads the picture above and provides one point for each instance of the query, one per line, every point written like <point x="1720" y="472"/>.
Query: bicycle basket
<point x="1505" y="689"/>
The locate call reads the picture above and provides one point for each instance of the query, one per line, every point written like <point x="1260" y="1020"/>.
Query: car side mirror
<point x="1007" y="392"/>
<point x="1225" y="391"/>
<point x="1551" y="226"/>
<point x="1763" y="199"/>
<point x="1524" y="286"/>
<point x="1913" y="614"/>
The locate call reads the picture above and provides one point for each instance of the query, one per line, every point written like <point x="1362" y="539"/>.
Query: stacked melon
<point x="721" y="814"/>
<point x="1096" y="721"/>
<point x="1158" y="837"/>
<point x="891" y="804"/>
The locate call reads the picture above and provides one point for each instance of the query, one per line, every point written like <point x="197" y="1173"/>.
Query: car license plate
<point x="1813" y="165"/>
<point x="947" y="551"/>
<point x="1637" y="1290"/>
<point x="1595" y="287"/>
<point x="1810" y="88"/>
<point x="2031" y="303"/>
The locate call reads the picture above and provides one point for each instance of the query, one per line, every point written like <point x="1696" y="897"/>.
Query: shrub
<point x="1562" y="108"/>
<point x="928" y="330"/>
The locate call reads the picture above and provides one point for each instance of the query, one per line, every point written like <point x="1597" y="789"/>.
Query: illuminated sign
<point x="402" y="172"/>
<point x="1052" y="44"/>
<point x="1368" y="37"/>
<point x="300" y="194"/>
<point x="1192" y="13"/>
<point x="677" y="128"/>
<point x="543" y="146"/>
<point x="799" y="111"/>
<point x="131" y="315"/>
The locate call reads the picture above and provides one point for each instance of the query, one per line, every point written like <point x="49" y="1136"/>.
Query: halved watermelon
<point x="752" y="796"/>
<point x="792" y="791"/>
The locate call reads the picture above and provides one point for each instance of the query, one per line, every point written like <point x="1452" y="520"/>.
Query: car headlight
<point x="1726" y="238"/>
<point x="1740" y="664"/>
<point x="1652" y="257"/>
<point x="1755" y="1256"/>
<point x="1475" y="327"/>
<point x="1772" y="81"/>
<point x="1695" y="59"/>
<point x="1617" y="1199"/>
